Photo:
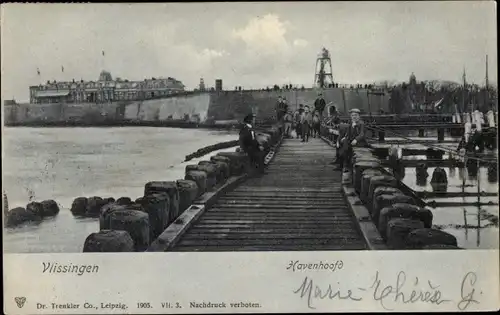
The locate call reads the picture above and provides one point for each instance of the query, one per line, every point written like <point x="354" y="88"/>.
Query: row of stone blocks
<point x="34" y="212"/>
<point x="400" y="221"/>
<point x="133" y="226"/>
<point x="214" y="147"/>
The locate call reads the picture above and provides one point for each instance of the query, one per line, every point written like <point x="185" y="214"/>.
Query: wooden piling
<point x="440" y="134"/>
<point x="381" y="136"/>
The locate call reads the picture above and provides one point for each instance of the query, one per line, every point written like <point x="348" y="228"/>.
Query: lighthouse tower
<point x="323" y="76"/>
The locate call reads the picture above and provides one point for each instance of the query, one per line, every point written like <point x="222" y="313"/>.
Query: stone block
<point x="364" y="181"/>
<point x="218" y="158"/>
<point x="171" y="189"/>
<point x="419" y="238"/>
<point x="188" y="191"/>
<point x="200" y="178"/>
<point x="20" y="215"/>
<point x="136" y="223"/>
<point x="157" y="206"/>
<point x="213" y="167"/>
<point x="380" y="180"/>
<point x="359" y="169"/>
<point x="79" y="206"/>
<point x="388" y="200"/>
<point x="224" y="169"/>
<point x="211" y="172"/>
<point x="405" y="211"/>
<point x="94" y="205"/>
<point x="238" y="162"/>
<point x="36" y="208"/>
<point x="50" y="208"/>
<point x="105" y="213"/>
<point x="110" y="241"/>
<point x="397" y="231"/>
<point x="385" y="190"/>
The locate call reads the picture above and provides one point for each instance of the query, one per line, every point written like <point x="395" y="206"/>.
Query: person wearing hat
<point x="281" y="108"/>
<point x="320" y="104"/>
<point x="354" y="136"/>
<point x="250" y="145"/>
<point x="306" y="120"/>
<point x="296" y="117"/>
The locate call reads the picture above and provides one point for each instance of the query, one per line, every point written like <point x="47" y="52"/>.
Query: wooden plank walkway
<point x="297" y="205"/>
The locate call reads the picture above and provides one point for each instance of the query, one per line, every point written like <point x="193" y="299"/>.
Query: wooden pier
<point x="297" y="205"/>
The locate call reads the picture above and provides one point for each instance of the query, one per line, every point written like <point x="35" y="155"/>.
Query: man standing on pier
<point x="288" y="123"/>
<point x="250" y="145"/>
<point x="354" y="136"/>
<point x="320" y="104"/>
<point x="296" y="117"/>
<point x="306" y="122"/>
<point x="280" y="108"/>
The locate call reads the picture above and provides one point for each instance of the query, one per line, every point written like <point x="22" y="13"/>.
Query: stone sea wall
<point x="201" y="107"/>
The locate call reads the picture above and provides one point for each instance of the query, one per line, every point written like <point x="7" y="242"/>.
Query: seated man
<point x="354" y="136"/>
<point x="250" y="145"/>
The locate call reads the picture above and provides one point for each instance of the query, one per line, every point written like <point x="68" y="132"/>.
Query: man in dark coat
<point x="354" y="136"/>
<point x="296" y="118"/>
<point x="320" y="104"/>
<point x="250" y="145"/>
<point x="281" y="108"/>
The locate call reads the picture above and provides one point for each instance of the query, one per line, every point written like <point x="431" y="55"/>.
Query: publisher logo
<point x="20" y="301"/>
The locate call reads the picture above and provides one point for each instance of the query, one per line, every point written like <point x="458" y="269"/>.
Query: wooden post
<point x="381" y="136"/>
<point x="478" y="204"/>
<point x="440" y="134"/>
<point x="343" y="100"/>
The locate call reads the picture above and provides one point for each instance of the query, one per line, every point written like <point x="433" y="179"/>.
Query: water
<point x="65" y="163"/>
<point x="475" y="227"/>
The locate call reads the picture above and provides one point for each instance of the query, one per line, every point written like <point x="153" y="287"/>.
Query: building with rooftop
<point x="105" y="89"/>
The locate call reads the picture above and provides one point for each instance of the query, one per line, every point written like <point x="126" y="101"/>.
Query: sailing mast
<point x="463" y="92"/>
<point x="486" y="98"/>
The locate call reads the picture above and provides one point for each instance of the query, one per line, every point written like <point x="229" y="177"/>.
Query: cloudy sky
<point x="247" y="44"/>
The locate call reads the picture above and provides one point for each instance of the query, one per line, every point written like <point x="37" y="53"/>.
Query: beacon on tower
<point x="323" y="72"/>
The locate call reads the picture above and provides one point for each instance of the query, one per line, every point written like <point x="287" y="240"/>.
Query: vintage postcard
<point x="250" y="157"/>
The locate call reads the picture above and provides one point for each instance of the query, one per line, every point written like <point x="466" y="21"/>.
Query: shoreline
<point x="123" y="123"/>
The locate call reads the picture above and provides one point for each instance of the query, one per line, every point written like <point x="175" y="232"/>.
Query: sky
<point x="252" y="45"/>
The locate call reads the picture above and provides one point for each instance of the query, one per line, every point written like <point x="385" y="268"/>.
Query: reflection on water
<point x="474" y="223"/>
<point x="65" y="163"/>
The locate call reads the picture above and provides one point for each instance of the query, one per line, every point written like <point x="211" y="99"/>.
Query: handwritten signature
<point x="403" y="291"/>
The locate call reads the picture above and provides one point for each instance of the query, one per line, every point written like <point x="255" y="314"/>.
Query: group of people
<point x="348" y="136"/>
<point x="303" y="121"/>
